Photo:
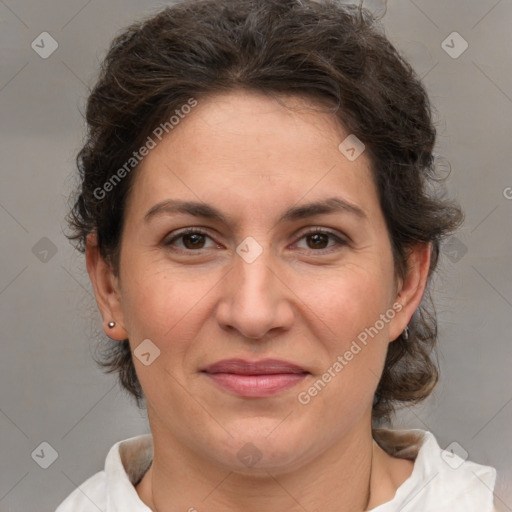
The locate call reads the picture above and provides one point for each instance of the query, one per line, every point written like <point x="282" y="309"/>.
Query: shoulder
<point x="442" y="480"/>
<point x="88" y="497"/>
<point x="114" y="487"/>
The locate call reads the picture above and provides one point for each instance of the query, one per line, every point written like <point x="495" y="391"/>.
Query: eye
<point x="192" y="239"/>
<point x="319" y="238"/>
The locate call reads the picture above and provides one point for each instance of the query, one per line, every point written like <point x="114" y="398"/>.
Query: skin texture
<point x="252" y="158"/>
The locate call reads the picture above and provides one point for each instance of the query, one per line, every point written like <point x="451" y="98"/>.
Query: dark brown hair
<point x="325" y="51"/>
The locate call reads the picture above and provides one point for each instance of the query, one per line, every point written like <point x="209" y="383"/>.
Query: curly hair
<point x="324" y="51"/>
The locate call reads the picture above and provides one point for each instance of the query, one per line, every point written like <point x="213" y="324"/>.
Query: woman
<point x="260" y="230"/>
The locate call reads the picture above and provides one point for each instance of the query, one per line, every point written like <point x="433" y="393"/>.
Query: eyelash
<point x="199" y="231"/>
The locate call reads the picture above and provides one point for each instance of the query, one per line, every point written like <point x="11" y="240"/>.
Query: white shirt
<point x="441" y="481"/>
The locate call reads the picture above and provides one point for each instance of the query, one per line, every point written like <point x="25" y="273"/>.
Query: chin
<point x="258" y="449"/>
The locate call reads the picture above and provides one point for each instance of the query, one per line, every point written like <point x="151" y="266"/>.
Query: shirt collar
<point x="468" y="485"/>
<point x="125" y="465"/>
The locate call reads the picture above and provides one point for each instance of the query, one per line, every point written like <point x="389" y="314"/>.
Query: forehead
<point x="257" y="149"/>
<point x="255" y="124"/>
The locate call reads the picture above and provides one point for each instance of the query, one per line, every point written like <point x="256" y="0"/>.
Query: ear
<point x="411" y="288"/>
<point x="106" y="290"/>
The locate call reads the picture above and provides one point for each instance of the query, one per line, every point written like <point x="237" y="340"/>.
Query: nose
<point x="255" y="300"/>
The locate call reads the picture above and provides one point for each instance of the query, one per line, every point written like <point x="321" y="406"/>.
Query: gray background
<point x="51" y="389"/>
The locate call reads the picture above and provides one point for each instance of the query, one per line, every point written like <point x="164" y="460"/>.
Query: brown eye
<point x="318" y="241"/>
<point x="192" y="239"/>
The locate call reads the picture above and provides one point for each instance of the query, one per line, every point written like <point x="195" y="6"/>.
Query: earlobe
<point x="106" y="290"/>
<point x="412" y="287"/>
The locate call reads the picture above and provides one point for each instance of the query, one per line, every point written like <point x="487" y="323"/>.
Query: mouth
<point x="257" y="379"/>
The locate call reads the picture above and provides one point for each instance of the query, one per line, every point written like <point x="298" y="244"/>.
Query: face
<point x="253" y="273"/>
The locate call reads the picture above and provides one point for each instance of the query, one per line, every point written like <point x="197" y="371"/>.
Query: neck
<point x="353" y="475"/>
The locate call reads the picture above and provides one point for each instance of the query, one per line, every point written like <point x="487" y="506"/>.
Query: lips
<point x="257" y="379"/>
<point x="263" y="367"/>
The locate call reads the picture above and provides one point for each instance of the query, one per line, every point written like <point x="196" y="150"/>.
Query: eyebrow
<point x="198" y="209"/>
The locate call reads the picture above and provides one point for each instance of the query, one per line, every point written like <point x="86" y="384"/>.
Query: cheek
<point x="348" y="308"/>
<point x="161" y="306"/>
<point x="168" y="312"/>
<point x="349" y="300"/>
<point x="354" y="345"/>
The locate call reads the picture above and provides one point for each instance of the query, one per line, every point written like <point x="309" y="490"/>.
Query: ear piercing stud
<point x="111" y="325"/>
<point x="406" y="333"/>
